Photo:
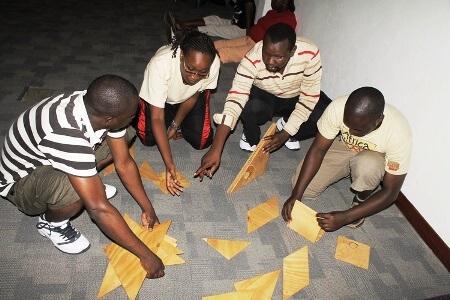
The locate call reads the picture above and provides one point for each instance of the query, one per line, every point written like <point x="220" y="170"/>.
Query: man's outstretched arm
<point x="109" y="220"/>
<point x="129" y="175"/>
<point x="377" y="202"/>
<point x="311" y="165"/>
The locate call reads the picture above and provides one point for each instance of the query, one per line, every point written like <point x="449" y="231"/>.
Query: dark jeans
<point x="196" y="126"/>
<point x="263" y="106"/>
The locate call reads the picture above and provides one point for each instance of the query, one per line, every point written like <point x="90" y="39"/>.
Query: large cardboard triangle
<point x="255" y="166"/>
<point x="263" y="286"/>
<point x="352" y="252"/>
<point x="111" y="169"/>
<point x="304" y="222"/>
<point x="295" y="272"/>
<point x="262" y="214"/>
<point x="126" y="266"/>
<point x="159" y="179"/>
<point x="110" y="282"/>
<point x="242" y="295"/>
<point x="228" y="248"/>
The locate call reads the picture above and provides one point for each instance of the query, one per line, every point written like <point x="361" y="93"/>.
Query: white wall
<point x="402" y="48"/>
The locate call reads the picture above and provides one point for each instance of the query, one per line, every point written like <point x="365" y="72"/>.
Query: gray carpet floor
<point x="63" y="45"/>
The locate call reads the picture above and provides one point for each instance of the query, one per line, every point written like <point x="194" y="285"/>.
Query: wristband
<point x="174" y="125"/>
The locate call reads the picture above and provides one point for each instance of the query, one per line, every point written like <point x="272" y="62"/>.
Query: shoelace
<point x="69" y="233"/>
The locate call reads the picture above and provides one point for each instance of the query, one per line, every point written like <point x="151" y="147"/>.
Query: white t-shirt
<point x="393" y="138"/>
<point x="163" y="82"/>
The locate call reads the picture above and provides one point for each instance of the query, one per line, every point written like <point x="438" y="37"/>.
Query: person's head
<point x="283" y="5"/>
<point x="363" y="112"/>
<point x="278" y="47"/>
<point x="111" y="102"/>
<point x="197" y="53"/>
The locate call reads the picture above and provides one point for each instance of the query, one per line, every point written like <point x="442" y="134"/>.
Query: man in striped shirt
<point x="280" y="76"/>
<point x="48" y="166"/>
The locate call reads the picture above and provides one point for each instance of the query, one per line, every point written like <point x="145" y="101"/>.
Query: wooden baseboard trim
<point x="425" y="231"/>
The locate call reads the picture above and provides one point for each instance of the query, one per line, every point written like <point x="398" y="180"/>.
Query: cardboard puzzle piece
<point x="262" y="214"/>
<point x="111" y="169"/>
<point x="295" y="272"/>
<point x="262" y="286"/>
<point x="243" y="295"/>
<point x="352" y="252"/>
<point x="125" y="269"/>
<point x="228" y="248"/>
<point x="255" y="166"/>
<point x="159" y="179"/>
<point x="304" y="222"/>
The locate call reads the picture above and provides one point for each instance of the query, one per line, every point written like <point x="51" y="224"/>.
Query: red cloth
<point x="272" y="17"/>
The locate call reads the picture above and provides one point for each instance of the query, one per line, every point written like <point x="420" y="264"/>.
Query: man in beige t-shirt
<point x="374" y="146"/>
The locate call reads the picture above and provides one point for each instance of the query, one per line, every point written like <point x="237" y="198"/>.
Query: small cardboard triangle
<point x="159" y="179"/>
<point x="108" y="170"/>
<point x="242" y="295"/>
<point x="110" y="282"/>
<point x="295" y="272"/>
<point x="255" y="166"/>
<point x="262" y="285"/>
<point x="352" y="252"/>
<point x="228" y="248"/>
<point x="304" y="222"/>
<point x="262" y="214"/>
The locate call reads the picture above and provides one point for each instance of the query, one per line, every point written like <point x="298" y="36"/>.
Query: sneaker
<point x="63" y="235"/>
<point x="292" y="143"/>
<point x="244" y="145"/>
<point x="359" y="222"/>
<point x="110" y="191"/>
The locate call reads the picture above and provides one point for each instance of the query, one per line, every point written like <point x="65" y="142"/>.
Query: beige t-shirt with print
<point x="393" y="138"/>
<point x="163" y="82"/>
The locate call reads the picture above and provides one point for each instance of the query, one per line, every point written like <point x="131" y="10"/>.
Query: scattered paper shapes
<point x="352" y="252"/>
<point x="262" y="214"/>
<point x="228" y="248"/>
<point x="304" y="222"/>
<point x="255" y="166"/>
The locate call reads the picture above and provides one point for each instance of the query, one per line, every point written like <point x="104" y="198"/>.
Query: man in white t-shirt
<point x="374" y="146"/>
<point x="175" y="97"/>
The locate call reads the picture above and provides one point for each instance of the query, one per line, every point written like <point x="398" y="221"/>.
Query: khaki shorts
<point x="47" y="188"/>
<point x="365" y="168"/>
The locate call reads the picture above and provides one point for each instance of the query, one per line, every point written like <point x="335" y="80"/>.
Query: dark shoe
<point x="359" y="222"/>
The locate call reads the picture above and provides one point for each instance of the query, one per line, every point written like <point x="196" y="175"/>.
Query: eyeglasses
<point x="199" y="74"/>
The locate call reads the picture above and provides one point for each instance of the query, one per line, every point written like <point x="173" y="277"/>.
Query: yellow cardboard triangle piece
<point x="295" y="272"/>
<point x="228" y="248"/>
<point x="255" y="166"/>
<point x="352" y="252"/>
<point x="168" y="254"/>
<point x="304" y="222"/>
<point x="242" y="295"/>
<point x="262" y="214"/>
<point x="153" y="238"/>
<point x="262" y="285"/>
<point x="170" y="240"/>
<point x="110" y="282"/>
<point x="173" y="260"/>
<point x="159" y="179"/>
<point x="111" y="169"/>
<point x="127" y="268"/>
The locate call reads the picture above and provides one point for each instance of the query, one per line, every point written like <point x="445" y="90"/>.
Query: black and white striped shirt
<point x="55" y="132"/>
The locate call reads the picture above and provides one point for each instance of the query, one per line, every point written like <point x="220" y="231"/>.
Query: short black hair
<point x="365" y="101"/>
<point x="280" y="32"/>
<point x="189" y="40"/>
<point x="110" y="95"/>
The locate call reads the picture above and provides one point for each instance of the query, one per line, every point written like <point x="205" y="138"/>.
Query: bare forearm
<point x="220" y="138"/>
<point x="109" y="220"/>
<point x="374" y="204"/>
<point x="185" y="108"/>
<point x="130" y="177"/>
<point x="310" y="167"/>
<point x="160" y="134"/>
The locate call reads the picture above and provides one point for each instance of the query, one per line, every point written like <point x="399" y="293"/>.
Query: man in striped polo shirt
<point x="280" y="76"/>
<point x="48" y="166"/>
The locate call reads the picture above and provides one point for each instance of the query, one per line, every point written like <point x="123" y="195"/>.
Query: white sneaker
<point x="244" y="145"/>
<point x="110" y="191"/>
<point x="291" y="143"/>
<point x="63" y="235"/>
